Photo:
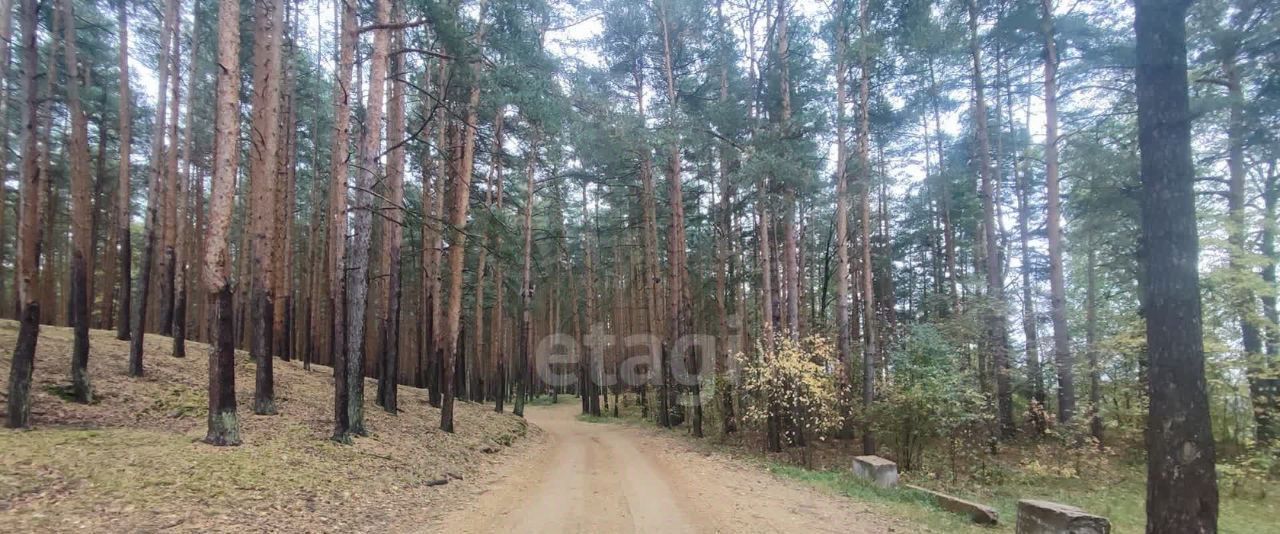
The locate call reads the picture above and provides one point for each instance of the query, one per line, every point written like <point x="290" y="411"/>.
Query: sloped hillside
<point x="133" y="460"/>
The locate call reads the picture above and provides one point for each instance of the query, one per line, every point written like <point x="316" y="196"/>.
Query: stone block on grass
<point x="1044" y="517"/>
<point x="978" y="513"/>
<point x="880" y="471"/>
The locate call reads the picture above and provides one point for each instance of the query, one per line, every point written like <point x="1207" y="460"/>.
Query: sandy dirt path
<point x="617" y="478"/>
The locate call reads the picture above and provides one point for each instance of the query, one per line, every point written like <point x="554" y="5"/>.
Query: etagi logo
<point x="636" y="360"/>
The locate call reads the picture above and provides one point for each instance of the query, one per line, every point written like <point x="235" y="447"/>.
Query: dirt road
<point x="616" y="478"/>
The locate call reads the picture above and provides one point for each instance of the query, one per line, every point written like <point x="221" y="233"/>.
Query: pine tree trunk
<point x="996" y="322"/>
<point x="1182" y="493"/>
<point x="101" y="215"/>
<point x="870" y="350"/>
<point x="457" y="238"/>
<point x="168" y="205"/>
<point x="50" y="200"/>
<point x="1030" y="328"/>
<point x="650" y="243"/>
<point x="444" y="170"/>
<point x="81" y="213"/>
<point x="182" y="249"/>
<point x="390" y="368"/>
<point x="592" y="367"/>
<point x="497" y="354"/>
<point x="285" y="196"/>
<point x="1062" y="357"/>
<point x="724" y="382"/>
<point x="154" y="198"/>
<point x="1091" y="342"/>
<point x="199" y="230"/>
<point x="480" y="356"/>
<point x="677" y="289"/>
<point x="526" y="283"/>
<point x="773" y="435"/>
<point x="948" y="229"/>
<point x="362" y="221"/>
<point x="844" y="339"/>
<point x="340" y="155"/>
<point x="6" y="54"/>
<point x="1266" y="394"/>
<point x="18" y="409"/>
<point x="790" y="263"/>
<point x="224" y="428"/>
<point x="264" y="147"/>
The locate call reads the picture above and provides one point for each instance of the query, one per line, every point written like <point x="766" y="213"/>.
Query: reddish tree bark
<point x="264" y="146"/>
<point x="18" y="409"/>
<point x="224" y="427"/>
<point x="154" y="198"/>
<point x="81" y="209"/>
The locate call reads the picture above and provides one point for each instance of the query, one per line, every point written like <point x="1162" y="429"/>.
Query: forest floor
<point x="629" y="478"/>
<point x="132" y="461"/>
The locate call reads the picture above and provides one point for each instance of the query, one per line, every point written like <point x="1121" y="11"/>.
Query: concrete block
<point x="979" y="513"/>
<point x="1044" y="517"/>
<point x="882" y="472"/>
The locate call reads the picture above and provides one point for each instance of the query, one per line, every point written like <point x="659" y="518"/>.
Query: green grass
<point x="548" y="400"/>
<point x="1121" y="498"/>
<point x="897" y="502"/>
<point x="601" y="419"/>
<point x="1113" y="486"/>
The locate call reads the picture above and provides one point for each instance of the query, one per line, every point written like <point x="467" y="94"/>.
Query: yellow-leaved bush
<point x="796" y="380"/>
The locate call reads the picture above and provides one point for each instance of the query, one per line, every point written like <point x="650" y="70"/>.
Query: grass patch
<point x="61" y="391"/>
<point x="548" y="400"/>
<point x="180" y="401"/>
<point x="1120" y="499"/>
<point x="600" y="419"/>
<point x="899" y="502"/>
<point x="1112" y="485"/>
